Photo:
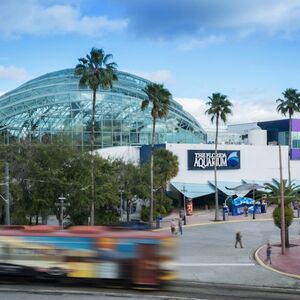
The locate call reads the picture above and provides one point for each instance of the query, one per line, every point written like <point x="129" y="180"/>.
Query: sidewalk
<point x="287" y="264"/>
<point x="200" y="217"/>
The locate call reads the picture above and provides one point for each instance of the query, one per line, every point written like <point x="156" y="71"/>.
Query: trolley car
<point x="142" y="258"/>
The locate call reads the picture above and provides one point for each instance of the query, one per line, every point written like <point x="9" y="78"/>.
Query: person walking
<point x="238" y="239"/>
<point x="246" y="211"/>
<point x="173" y="227"/>
<point x="180" y="226"/>
<point x="269" y="253"/>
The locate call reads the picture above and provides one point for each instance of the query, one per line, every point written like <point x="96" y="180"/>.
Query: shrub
<point x="289" y="215"/>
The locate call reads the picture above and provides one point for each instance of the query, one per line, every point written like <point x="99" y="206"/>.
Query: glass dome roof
<point x="53" y="104"/>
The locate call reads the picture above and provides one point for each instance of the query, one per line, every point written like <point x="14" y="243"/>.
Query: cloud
<point x="243" y="111"/>
<point x="32" y="17"/>
<point x="204" y="19"/>
<point x="12" y="72"/>
<point x="192" y="43"/>
<point x="160" y="76"/>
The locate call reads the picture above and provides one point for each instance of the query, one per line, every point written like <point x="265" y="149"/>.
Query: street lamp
<point x="253" y="216"/>
<point x="62" y="205"/>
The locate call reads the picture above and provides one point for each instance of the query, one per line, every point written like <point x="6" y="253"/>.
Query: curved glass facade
<point x="54" y="105"/>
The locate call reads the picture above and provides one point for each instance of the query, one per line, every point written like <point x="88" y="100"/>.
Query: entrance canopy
<point x="229" y="188"/>
<point x="193" y="190"/>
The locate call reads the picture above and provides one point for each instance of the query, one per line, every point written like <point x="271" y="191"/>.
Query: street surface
<point x="207" y="254"/>
<point x="209" y="268"/>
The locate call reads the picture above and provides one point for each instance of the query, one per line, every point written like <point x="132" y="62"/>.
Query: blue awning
<point x="193" y="190"/>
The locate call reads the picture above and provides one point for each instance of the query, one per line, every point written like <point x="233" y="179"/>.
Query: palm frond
<point x="219" y="106"/>
<point x="145" y="104"/>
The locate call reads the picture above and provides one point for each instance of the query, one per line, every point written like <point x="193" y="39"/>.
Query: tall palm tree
<point x="95" y="72"/>
<point x="219" y="108"/>
<point x="159" y="97"/>
<point x="289" y="105"/>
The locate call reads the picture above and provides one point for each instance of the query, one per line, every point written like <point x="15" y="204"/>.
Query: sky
<point x="245" y="49"/>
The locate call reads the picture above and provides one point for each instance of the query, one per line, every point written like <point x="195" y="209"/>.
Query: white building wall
<point x="257" y="137"/>
<point x="257" y="163"/>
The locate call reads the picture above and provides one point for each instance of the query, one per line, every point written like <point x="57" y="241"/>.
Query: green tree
<point x="166" y="166"/>
<point x="289" y="105"/>
<point x="291" y="193"/>
<point x="219" y="109"/>
<point x="77" y="187"/>
<point x="37" y="179"/>
<point x="131" y="183"/>
<point x="159" y="97"/>
<point x="288" y="216"/>
<point x="40" y="174"/>
<point x="95" y="72"/>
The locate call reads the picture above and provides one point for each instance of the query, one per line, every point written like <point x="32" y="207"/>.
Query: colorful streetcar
<point x="141" y="258"/>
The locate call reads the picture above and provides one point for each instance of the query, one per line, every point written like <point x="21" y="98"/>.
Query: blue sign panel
<point x="205" y="159"/>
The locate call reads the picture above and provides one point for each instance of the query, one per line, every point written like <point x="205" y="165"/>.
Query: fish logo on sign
<point x="233" y="159"/>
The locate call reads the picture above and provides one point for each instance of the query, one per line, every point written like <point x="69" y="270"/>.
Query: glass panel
<point x="53" y="104"/>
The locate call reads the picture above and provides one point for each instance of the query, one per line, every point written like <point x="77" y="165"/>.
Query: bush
<point x="289" y="215"/>
<point x="145" y="214"/>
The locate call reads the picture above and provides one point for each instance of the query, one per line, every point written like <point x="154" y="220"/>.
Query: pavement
<point x="287" y="264"/>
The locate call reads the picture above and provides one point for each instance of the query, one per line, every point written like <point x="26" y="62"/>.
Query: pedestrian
<point x="180" y="226"/>
<point x="238" y="239"/>
<point x="173" y="227"/>
<point x="254" y="210"/>
<point x="269" y="253"/>
<point x="246" y="211"/>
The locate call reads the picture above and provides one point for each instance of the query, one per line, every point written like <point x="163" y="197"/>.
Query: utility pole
<point x="184" y="206"/>
<point x="121" y="204"/>
<point x="282" y="210"/>
<point x="7" y="202"/>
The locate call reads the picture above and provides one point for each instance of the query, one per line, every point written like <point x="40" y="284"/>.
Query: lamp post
<point x="253" y="203"/>
<point x="61" y="204"/>
<point x="184" y="206"/>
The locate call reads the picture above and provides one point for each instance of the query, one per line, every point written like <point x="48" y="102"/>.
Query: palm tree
<point x="291" y="193"/>
<point x="159" y="97"/>
<point x="95" y="72"/>
<point x="290" y="105"/>
<point x="219" y="108"/>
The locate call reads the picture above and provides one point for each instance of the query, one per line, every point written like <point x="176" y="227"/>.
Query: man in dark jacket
<point x="238" y="239"/>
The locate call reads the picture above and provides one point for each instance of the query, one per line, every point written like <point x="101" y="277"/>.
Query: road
<point x="178" y="291"/>
<point x="209" y="268"/>
<point x="207" y="254"/>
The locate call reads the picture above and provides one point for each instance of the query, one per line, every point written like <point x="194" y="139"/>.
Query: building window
<point x="283" y="138"/>
<point x="295" y="139"/>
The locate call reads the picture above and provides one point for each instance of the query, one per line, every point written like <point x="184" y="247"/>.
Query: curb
<point x="215" y="223"/>
<point x="260" y="262"/>
<point x="281" y="289"/>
